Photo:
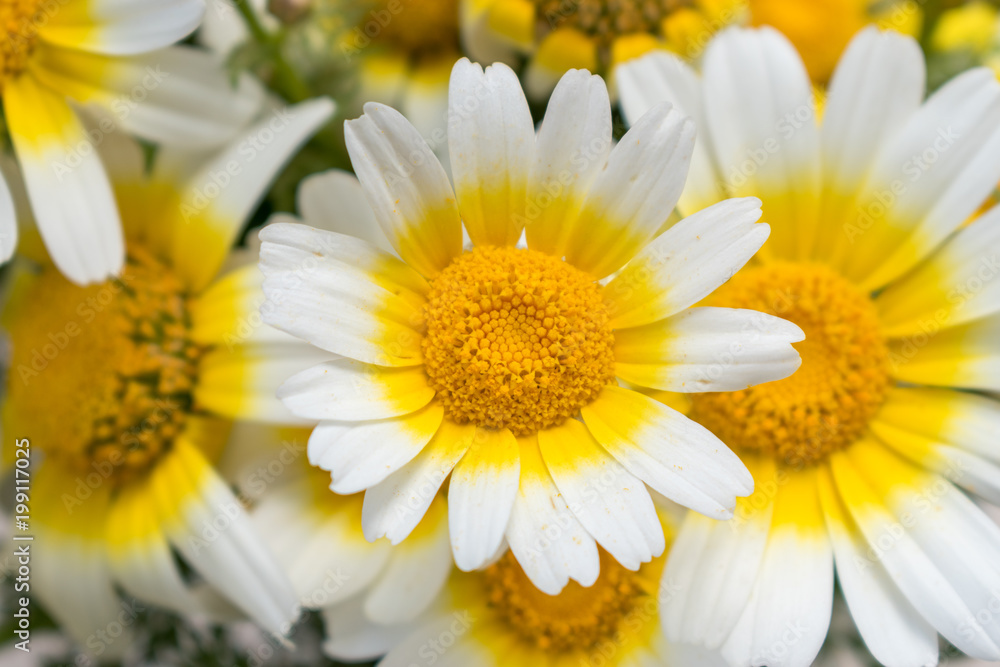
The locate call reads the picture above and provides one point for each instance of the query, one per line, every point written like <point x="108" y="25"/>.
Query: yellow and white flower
<point x="57" y="54"/>
<point x="857" y="456"/>
<point x="496" y="617"/>
<point x="477" y="364"/>
<point x="597" y="35"/>
<point x="127" y="390"/>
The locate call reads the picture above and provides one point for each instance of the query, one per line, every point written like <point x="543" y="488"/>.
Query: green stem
<point x="932" y="13"/>
<point x="286" y="80"/>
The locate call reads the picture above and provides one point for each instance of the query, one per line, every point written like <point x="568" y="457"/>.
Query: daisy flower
<point x="498" y="365"/>
<point x="858" y="456"/>
<point x="56" y="55"/>
<point x="597" y="35"/>
<point x="369" y="593"/>
<point x="496" y="617"/>
<point x="127" y="390"/>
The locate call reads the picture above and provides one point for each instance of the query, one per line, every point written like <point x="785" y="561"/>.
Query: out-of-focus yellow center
<point x="419" y="28"/>
<point x="101" y="376"/>
<point x="607" y="19"/>
<point x="578" y="618"/>
<point x="19" y="24"/>
<point x="516" y="339"/>
<point x="827" y="403"/>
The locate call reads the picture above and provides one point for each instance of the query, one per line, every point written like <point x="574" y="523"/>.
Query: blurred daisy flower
<point x="857" y="456"/>
<point x="559" y="35"/>
<point x="128" y="390"/>
<point x="499" y="364"/>
<point x="56" y="56"/>
<point x="496" y="616"/>
<point x="368" y="593"/>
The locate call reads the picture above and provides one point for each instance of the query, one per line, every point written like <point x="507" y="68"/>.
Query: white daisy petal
<point x="708" y="349"/>
<point x="892" y="629"/>
<point x="480" y="497"/>
<point x="341" y="294"/>
<point x="544" y="535"/>
<point x="950" y="432"/>
<point x="424" y="102"/>
<point x="191" y="500"/>
<point x="573" y="144"/>
<point x="921" y="560"/>
<point x="406" y="187"/>
<point x="491" y="140"/>
<point x="394" y="507"/>
<point x="362" y="454"/>
<point x="228" y="312"/>
<point x="877" y="85"/>
<point x="351" y="391"/>
<point x="326" y="557"/>
<point x="415" y="574"/>
<point x="177" y="97"/>
<point x="788" y="614"/>
<point x="686" y="263"/>
<point x="70" y="569"/>
<point x="333" y="200"/>
<point x="962" y="356"/>
<point x="70" y="195"/>
<point x="633" y="197"/>
<point x="352" y="637"/>
<point x="954" y="286"/>
<point x="676" y="456"/>
<point x="607" y="500"/>
<point x="762" y="122"/>
<point x="123" y="27"/>
<point x="937" y="169"/>
<point x="663" y="77"/>
<point x="218" y="199"/>
<point x="713" y="565"/>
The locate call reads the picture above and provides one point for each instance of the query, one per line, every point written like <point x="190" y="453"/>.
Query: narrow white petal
<point x="480" y="497"/>
<point x="686" y="263"/>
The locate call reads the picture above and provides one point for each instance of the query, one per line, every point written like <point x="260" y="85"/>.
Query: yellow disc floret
<point x="516" y="339"/>
<point x="19" y="23"/>
<point x="578" y="618"/>
<point x="843" y="380"/>
<point x="102" y="376"/>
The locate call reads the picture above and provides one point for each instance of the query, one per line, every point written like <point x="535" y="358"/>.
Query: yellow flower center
<point x="19" y="24"/>
<point x="516" y="339"/>
<point x="101" y="376"/>
<point x="826" y="404"/>
<point x="578" y="618"/>
<point x="607" y="19"/>
<point x="420" y="28"/>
